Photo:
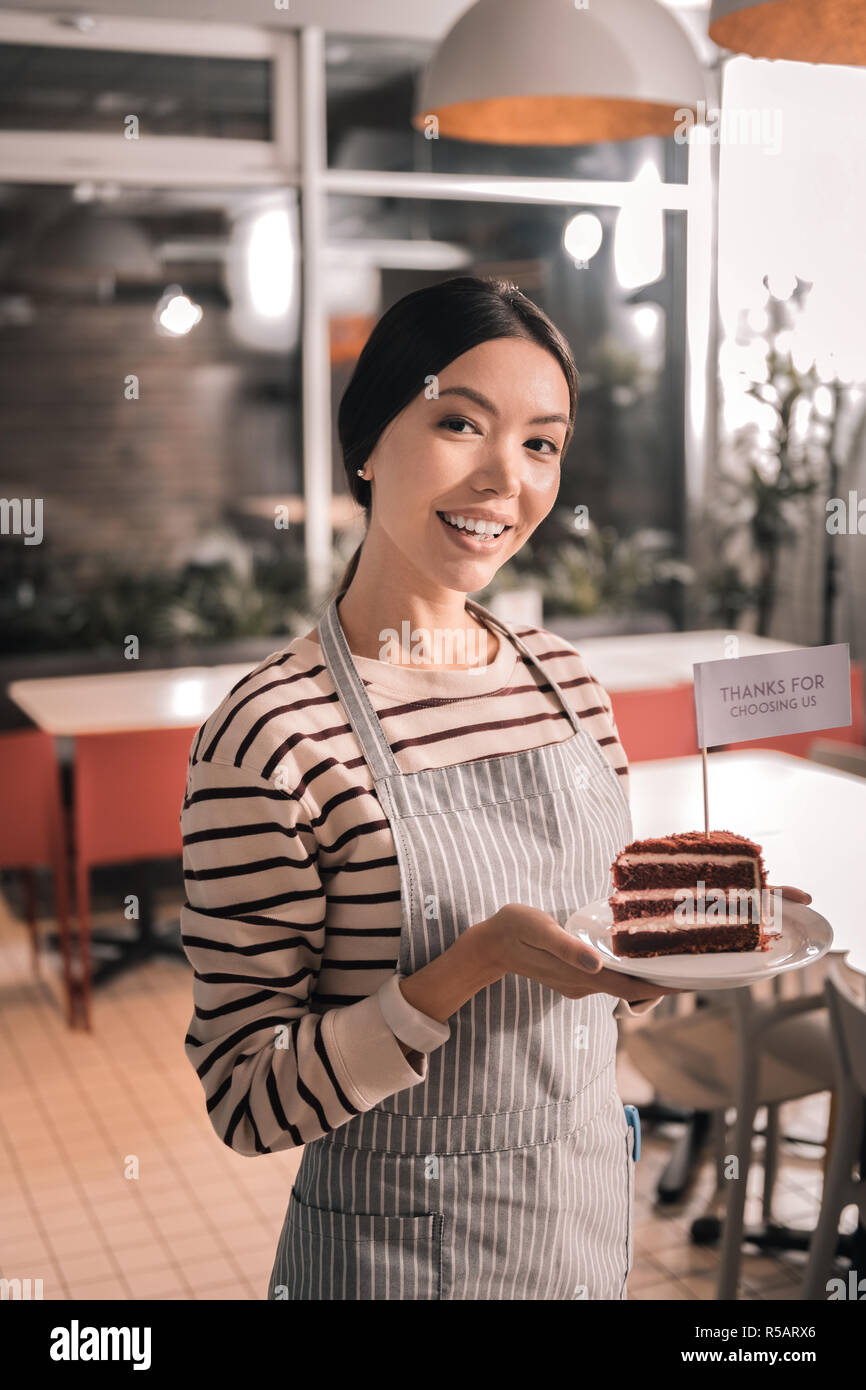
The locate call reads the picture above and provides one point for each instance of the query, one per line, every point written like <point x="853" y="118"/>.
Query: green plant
<point x="50" y="603"/>
<point x="595" y="569"/>
<point x="774" y="463"/>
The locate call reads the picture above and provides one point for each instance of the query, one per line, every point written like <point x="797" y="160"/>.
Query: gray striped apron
<point x="507" y="1173"/>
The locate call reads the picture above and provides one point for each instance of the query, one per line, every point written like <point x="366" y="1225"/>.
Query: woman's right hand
<point x="523" y="940"/>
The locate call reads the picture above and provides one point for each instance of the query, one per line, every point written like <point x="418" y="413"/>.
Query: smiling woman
<point x="375" y="851"/>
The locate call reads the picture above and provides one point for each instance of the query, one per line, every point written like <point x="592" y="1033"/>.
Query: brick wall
<point x="133" y="481"/>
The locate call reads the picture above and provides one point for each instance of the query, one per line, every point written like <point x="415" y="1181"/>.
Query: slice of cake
<point x="688" y="893"/>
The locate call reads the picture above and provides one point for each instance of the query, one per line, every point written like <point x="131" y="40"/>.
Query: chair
<point x="657" y="723"/>
<point x="743" y="1052"/>
<point x="847" y="757"/>
<point x="33" y="832"/>
<point x="129" y="788"/>
<point x="841" y="1188"/>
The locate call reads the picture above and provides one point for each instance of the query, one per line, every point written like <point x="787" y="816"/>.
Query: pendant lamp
<point x="553" y="72"/>
<point x="804" y="31"/>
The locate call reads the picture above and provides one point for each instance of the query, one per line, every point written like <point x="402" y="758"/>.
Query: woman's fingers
<point x="797" y="895"/>
<point x="630" y="987"/>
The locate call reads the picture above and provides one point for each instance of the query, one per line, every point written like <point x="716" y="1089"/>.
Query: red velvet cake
<point x="689" y="893"/>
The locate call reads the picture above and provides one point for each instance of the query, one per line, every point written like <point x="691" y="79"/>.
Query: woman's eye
<point x="454" y="422"/>
<point x="536" y="445"/>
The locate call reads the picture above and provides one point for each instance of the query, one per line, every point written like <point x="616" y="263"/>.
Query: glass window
<point x="150" y="397"/>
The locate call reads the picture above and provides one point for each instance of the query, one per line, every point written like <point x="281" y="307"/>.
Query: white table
<point x="186" y="695"/>
<point x="174" y="698"/>
<point x="810" y="820"/>
<point x="126" y="701"/>
<point x="649" y="660"/>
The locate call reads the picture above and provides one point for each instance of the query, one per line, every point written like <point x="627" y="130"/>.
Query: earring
<point x="361" y="473"/>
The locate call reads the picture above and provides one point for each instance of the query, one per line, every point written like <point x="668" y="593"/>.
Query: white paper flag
<point x="777" y="693"/>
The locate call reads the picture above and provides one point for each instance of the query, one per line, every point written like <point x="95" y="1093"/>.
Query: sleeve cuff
<point x="366" y="1055"/>
<point x="409" y="1024"/>
<point x="638" y="1008"/>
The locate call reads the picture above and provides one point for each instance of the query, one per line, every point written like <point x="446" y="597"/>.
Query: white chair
<point x="743" y="1052"/>
<point x="841" y="1188"/>
<point x="847" y="757"/>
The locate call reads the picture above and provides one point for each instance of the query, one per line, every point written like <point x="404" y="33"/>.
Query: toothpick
<point x="706" y="794"/>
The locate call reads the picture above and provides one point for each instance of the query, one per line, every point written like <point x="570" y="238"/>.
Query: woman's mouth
<point x="472" y="540"/>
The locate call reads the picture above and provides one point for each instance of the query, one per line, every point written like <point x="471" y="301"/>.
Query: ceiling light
<point x="557" y="73"/>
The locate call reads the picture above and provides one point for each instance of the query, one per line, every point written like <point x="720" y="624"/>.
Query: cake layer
<point x="686" y="870"/>
<point x="684" y="941"/>
<point x="741" y="905"/>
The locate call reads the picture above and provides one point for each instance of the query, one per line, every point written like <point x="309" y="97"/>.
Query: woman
<point x="380" y="858"/>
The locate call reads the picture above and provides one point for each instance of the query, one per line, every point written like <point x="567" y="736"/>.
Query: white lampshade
<point x="548" y="72"/>
<point x="803" y="31"/>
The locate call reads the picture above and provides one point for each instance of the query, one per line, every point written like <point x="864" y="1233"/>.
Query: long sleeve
<point x="275" y="1072"/>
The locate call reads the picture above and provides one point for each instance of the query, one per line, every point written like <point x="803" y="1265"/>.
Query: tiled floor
<point x="114" y="1186"/>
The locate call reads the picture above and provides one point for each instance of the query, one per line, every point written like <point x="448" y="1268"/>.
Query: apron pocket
<point x="327" y="1254"/>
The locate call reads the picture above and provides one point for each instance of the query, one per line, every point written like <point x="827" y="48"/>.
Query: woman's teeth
<point x="487" y="531"/>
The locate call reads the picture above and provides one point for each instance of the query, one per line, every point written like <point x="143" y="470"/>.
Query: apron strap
<point x="354" y="698"/>
<point x="484" y="615"/>
<point x="359" y="707"/>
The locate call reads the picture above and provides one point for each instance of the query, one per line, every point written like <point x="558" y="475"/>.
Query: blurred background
<point x="203" y="211"/>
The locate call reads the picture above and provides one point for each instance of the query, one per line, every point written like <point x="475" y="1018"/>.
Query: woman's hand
<point x="522" y="940"/>
<point x="797" y="895"/>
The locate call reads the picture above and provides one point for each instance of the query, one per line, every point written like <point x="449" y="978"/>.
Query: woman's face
<point x="482" y="441"/>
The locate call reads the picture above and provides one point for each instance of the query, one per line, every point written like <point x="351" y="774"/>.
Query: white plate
<point x="804" y="938"/>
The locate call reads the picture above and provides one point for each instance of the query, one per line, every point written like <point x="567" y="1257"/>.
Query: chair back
<point x="129" y="788"/>
<point x="848" y="1022"/>
<point x="31" y="814"/>
<point x="656" y="723"/>
<point x="845" y="757"/>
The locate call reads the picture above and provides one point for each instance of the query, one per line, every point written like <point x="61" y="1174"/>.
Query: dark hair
<point x="416" y="339"/>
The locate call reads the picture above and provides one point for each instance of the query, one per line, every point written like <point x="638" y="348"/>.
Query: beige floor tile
<point x="22" y="1225"/>
<point x="250" y="1237"/>
<point x="226" y="1293"/>
<point x="163" y="1282"/>
<point x="207" y="1274"/>
<point x="684" y="1260"/>
<point x="644" y="1272"/>
<point x="100" y="1290"/>
<point x="89" y="1264"/>
<point x="76" y="1240"/>
<point x="655" y="1235"/>
<point x="702" y="1286"/>
<point x="165" y="1201"/>
<point x="666" y="1292"/>
<point x="142" y="1257"/>
<point x="195" y="1246"/>
<point x="70" y="1217"/>
<point x="23" y="1250"/>
<point x="191" y="1217"/>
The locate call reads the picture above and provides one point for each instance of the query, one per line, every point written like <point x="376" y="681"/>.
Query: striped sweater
<point x="292" y="915"/>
